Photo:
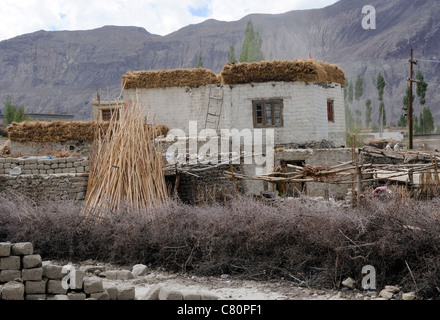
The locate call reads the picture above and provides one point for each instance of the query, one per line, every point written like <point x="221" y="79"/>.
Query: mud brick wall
<point x="24" y="276"/>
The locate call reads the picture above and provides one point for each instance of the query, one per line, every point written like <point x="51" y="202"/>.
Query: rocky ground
<point x="225" y="287"/>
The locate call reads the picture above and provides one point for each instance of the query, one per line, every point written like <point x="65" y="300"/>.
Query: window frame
<point x="331" y="110"/>
<point x="109" y="111"/>
<point x="264" y="118"/>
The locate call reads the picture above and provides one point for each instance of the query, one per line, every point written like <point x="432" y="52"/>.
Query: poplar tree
<point x="251" y="48"/>
<point x="231" y="55"/>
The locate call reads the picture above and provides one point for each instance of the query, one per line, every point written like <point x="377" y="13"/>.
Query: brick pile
<point x="24" y="276"/>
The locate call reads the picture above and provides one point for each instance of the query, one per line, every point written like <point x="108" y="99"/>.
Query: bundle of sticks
<point x="125" y="166"/>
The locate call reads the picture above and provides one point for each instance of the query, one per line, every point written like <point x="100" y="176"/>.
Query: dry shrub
<point x="282" y="70"/>
<point x="307" y="242"/>
<point x="169" y="78"/>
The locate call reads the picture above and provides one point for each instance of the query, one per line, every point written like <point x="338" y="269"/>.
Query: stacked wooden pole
<point x="125" y="166"/>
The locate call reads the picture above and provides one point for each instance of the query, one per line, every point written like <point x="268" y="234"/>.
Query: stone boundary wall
<point x="24" y="276"/>
<point x="38" y="187"/>
<point x="36" y="165"/>
<point x="41" y="179"/>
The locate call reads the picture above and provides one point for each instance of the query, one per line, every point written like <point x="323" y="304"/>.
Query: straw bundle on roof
<point x="169" y="78"/>
<point x="282" y="70"/>
<point x="61" y="131"/>
<point x="56" y="131"/>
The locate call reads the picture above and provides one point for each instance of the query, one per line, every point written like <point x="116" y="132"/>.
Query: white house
<point x="301" y="100"/>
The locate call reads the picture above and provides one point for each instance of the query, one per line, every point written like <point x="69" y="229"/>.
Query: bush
<point x="307" y="242"/>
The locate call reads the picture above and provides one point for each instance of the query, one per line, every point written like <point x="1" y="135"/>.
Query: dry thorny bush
<point x="305" y="241"/>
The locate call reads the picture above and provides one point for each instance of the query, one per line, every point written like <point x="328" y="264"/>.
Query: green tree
<point x="380" y="85"/>
<point x="200" y="62"/>
<point x="251" y="48"/>
<point x="383" y="113"/>
<point x="368" y="113"/>
<point x="231" y="55"/>
<point x="402" y="121"/>
<point x="421" y="88"/>
<point x="358" y="118"/>
<point x="349" y="119"/>
<point x="359" y="88"/>
<point x="428" y="120"/>
<point x="416" y="127"/>
<point x="13" y="113"/>
<point x="350" y="92"/>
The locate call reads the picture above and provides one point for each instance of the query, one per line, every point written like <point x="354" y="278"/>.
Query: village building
<point x="301" y="100"/>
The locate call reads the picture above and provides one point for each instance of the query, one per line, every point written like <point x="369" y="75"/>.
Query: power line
<point x="424" y="60"/>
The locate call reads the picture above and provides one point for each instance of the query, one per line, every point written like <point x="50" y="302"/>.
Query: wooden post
<point x="410" y="106"/>
<point x="233" y="177"/>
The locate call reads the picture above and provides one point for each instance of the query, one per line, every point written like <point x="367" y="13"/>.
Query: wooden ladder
<point x="214" y="108"/>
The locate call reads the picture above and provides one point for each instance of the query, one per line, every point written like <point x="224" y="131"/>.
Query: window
<point x="106" y="114"/>
<point x="268" y="113"/>
<point x="330" y="110"/>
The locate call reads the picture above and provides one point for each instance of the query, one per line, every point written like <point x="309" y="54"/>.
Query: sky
<point x="156" y="16"/>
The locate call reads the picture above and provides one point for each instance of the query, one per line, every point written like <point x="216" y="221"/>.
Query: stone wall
<point x="40" y="179"/>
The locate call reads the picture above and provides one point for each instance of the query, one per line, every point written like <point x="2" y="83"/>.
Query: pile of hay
<point x="169" y="78"/>
<point x="55" y="131"/>
<point x="277" y="70"/>
<point x="282" y="70"/>
<point x="61" y="131"/>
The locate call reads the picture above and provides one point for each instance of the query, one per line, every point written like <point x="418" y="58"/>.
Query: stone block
<point x="35" y="297"/>
<point x="9" y="275"/>
<point x="126" y="292"/>
<point x="13" y="290"/>
<point x="167" y="294"/>
<point x="192" y="296"/>
<point x="31" y="261"/>
<point x="153" y="293"/>
<point x="92" y="285"/>
<point x="139" y="270"/>
<point x="10" y="263"/>
<point x="208" y="296"/>
<point x="111" y="290"/>
<point x="56" y="287"/>
<point x="35" y="287"/>
<point x="76" y="296"/>
<point x="53" y="272"/>
<point x="61" y="297"/>
<point x="100" y="295"/>
<point x="35" y="274"/>
<point x="119" y="275"/>
<point x="5" y="249"/>
<point x="22" y="248"/>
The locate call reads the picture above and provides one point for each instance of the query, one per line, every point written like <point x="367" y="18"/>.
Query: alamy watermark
<point x="217" y="148"/>
<point x="369" y="21"/>
<point x="369" y="281"/>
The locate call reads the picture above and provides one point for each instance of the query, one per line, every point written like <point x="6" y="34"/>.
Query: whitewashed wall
<point x="304" y="113"/>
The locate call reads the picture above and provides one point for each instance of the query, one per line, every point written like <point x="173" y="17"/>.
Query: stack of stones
<point x="24" y="276"/>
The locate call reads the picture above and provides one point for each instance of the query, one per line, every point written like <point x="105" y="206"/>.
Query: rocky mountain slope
<point x="60" y="71"/>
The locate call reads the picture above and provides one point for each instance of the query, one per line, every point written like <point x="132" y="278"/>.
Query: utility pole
<point x="410" y="108"/>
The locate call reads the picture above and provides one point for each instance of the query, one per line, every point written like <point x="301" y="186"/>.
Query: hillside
<point x="61" y="70"/>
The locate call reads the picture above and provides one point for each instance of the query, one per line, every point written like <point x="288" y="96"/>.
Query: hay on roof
<point x="169" y="78"/>
<point x="282" y="70"/>
<point x="61" y="131"/>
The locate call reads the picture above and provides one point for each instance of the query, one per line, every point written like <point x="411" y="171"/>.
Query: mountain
<point x="61" y="70"/>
